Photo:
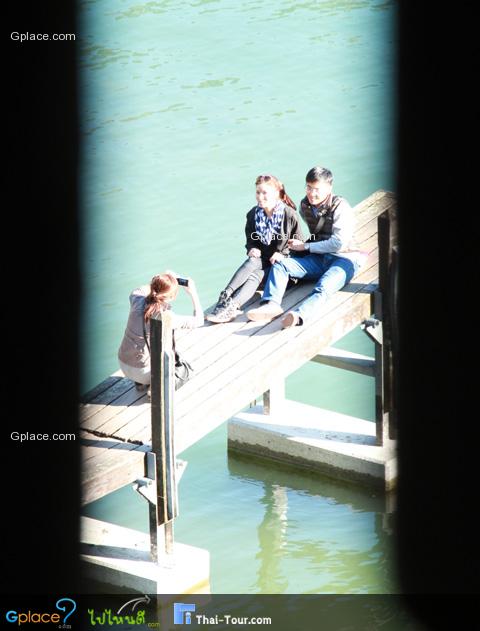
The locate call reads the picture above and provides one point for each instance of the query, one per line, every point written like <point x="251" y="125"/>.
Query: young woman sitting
<point x="270" y="224"/>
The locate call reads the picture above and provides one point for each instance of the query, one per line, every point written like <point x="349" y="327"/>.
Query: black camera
<point x="182" y="281"/>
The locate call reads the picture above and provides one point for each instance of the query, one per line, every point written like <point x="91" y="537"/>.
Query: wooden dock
<point x="235" y="364"/>
<point x="128" y="438"/>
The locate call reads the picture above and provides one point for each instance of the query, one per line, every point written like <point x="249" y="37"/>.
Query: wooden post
<point x="394" y="341"/>
<point x="381" y="418"/>
<point x="274" y="398"/>
<point x="388" y="254"/>
<point x="165" y="510"/>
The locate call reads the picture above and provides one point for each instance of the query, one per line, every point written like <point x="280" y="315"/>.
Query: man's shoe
<point x="226" y="314"/>
<point x="265" y="312"/>
<point x="291" y="319"/>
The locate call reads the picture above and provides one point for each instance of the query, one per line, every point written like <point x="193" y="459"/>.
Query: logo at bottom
<point x="182" y="613"/>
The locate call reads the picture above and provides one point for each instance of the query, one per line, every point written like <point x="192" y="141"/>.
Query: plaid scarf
<point x="265" y="226"/>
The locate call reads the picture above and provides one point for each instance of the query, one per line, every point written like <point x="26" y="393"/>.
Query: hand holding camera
<point x="188" y="284"/>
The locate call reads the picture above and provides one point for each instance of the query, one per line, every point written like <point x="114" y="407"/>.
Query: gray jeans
<point x="247" y="279"/>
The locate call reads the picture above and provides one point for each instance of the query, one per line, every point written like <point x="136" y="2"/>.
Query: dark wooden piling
<point x="164" y="511"/>
<point x="387" y="285"/>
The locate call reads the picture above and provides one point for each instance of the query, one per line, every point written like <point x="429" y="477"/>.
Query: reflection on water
<point x="272" y="539"/>
<point x="337" y="533"/>
<point x="269" y="528"/>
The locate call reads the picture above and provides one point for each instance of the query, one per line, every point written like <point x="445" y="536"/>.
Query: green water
<point x="183" y="106"/>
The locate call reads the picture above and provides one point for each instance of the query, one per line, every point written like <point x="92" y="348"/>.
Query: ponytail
<point x="285" y="198"/>
<point x="163" y="287"/>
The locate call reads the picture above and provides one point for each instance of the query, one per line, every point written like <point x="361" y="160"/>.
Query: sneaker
<point x="221" y="304"/>
<point x="225" y="314"/>
<point x="291" y="319"/>
<point x="265" y="312"/>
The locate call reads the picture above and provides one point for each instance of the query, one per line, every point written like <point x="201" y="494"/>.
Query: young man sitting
<point x="329" y="255"/>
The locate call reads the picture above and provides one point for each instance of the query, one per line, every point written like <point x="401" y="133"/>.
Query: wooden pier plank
<point x="129" y="399"/>
<point x="137" y="429"/>
<point x="111" y="469"/>
<point x="93" y="446"/>
<point x="105" y="398"/>
<point x="123" y="424"/>
<point x="95" y="450"/>
<point x="99" y="388"/>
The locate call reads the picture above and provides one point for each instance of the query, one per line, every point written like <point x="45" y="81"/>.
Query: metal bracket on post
<point x="146" y="486"/>
<point x="373" y="328"/>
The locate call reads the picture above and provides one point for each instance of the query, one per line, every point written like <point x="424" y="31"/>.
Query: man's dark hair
<point x="319" y="174"/>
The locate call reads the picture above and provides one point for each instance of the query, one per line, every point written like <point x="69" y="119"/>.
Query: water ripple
<point x="148" y="8"/>
<point x="101" y="56"/>
<point x="213" y="83"/>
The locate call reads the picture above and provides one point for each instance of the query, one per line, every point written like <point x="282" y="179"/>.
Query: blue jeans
<point x="331" y="273"/>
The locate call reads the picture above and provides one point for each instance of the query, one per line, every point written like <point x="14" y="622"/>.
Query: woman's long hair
<point x="272" y="180"/>
<point x="163" y="288"/>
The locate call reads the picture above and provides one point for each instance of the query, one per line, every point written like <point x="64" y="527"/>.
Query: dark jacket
<point x="290" y="230"/>
<point x="320" y="227"/>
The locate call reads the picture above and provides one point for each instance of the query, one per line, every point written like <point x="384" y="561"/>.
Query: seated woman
<point x="146" y="301"/>
<point x="270" y="224"/>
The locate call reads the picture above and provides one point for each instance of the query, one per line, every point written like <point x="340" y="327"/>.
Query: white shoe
<point x="265" y="313"/>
